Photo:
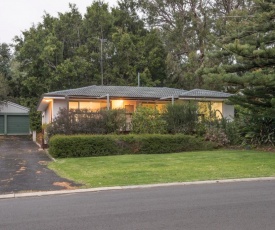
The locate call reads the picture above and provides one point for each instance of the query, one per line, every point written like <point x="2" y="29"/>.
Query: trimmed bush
<point x="62" y="146"/>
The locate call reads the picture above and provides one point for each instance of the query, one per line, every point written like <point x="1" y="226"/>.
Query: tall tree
<point x="5" y="72"/>
<point x="4" y="88"/>
<point x="70" y="51"/>
<point x="5" y="59"/>
<point x="188" y="29"/>
<point x="184" y="26"/>
<point x="249" y="45"/>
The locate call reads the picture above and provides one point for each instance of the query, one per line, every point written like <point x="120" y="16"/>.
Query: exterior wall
<point x="222" y="109"/>
<point x="228" y="111"/>
<point x="47" y="116"/>
<point x="57" y="105"/>
<point x="52" y="110"/>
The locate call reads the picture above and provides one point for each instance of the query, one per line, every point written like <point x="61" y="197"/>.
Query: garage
<point x="2" y="128"/>
<point x="14" y="119"/>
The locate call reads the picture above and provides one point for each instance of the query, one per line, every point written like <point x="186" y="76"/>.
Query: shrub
<point x="221" y="131"/>
<point x="256" y="131"/>
<point x="87" y="122"/>
<point x="147" y="120"/>
<point x="103" y="145"/>
<point x="113" y="120"/>
<point x="216" y="135"/>
<point x="181" y="118"/>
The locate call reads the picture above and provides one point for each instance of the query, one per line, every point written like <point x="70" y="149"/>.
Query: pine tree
<point x="247" y="52"/>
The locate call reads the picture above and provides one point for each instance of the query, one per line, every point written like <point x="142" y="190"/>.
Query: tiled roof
<point x="202" y="93"/>
<point x="120" y="91"/>
<point x="138" y="92"/>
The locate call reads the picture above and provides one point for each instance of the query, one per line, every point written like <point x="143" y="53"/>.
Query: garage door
<point x="18" y="124"/>
<point x="2" y="127"/>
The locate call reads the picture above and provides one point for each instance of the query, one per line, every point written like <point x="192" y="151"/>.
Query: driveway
<point x="23" y="168"/>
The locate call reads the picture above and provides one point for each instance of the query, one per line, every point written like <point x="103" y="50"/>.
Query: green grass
<point x="162" y="168"/>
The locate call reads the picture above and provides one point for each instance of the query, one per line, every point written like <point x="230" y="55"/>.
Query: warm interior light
<point x="47" y="100"/>
<point x="117" y="104"/>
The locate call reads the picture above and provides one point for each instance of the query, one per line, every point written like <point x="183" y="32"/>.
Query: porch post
<point x="108" y="102"/>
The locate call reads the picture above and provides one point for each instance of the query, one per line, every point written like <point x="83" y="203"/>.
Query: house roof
<point x="202" y="93"/>
<point x="120" y="91"/>
<point x="132" y="92"/>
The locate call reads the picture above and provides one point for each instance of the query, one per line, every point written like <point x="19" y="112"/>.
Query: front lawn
<point x="163" y="168"/>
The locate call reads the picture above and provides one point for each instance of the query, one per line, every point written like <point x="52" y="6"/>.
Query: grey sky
<point x="20" y="15"/>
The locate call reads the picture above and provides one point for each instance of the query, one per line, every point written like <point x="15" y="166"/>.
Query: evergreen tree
<point x="247" y="51"/>
<point x="188" y="29"/>
<point x="5" y="59"/>
<point x="4" y="89"/>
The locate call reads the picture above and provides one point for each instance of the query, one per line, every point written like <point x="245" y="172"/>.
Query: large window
<point x="94" y="106"/>
<point x="89" y="105"/>
<point x="73" y="105"/>
<point x="210" y="109"/>
<point x="159" y="106"/>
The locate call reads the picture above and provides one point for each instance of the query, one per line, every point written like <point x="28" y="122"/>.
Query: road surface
<point x="221" y="206"/>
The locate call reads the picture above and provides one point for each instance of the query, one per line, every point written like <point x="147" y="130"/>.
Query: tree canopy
<point x="218" y="45"/>
<point x="247" y="66"/>
<point x="105" y="46"/>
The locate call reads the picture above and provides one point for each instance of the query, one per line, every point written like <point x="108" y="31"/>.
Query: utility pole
<point x="101" y="57"/>
<point x="101" y="39"/>
<point x="138" y="79"/>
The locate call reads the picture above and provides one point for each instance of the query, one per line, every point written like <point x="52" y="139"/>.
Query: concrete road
<point x="228" y="206"/>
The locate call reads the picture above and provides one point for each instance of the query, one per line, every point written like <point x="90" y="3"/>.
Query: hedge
<point x="61" y="146"/>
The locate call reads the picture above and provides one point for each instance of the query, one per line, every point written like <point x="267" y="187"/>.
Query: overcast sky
<point x="20" y="15"/>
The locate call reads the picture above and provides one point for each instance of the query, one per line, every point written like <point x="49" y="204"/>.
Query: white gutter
<point x="49" y="97"/>
<point x="169" y="97"/>
<point x="108" y="100"/>
<point x="203" y="99"/>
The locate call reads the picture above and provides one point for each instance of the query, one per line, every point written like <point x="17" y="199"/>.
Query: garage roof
<point x="10" y="107"/>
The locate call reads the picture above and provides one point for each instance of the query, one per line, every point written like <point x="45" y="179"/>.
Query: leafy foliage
<point x="181" y="118"/>
<point x="255" y="130"/>
<point x="4" y="88"/>
<point x="249" y="44"/>
<point x="87" y="122"/>
<point x="5" y="59"/>
<point x="219" y="45"/>
<point x="147" y="120"/>
<point x="103" y="145"/>
<point x="69" y="51"/>
<point x="188" y="29"/>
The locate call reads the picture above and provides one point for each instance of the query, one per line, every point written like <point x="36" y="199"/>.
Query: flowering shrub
<point x="216" y="135"/>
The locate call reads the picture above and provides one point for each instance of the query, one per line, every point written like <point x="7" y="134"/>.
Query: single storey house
<point x="128" y="97"/>
<point x="14" y="119"/>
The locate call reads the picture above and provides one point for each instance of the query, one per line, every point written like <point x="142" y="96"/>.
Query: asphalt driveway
<point x="23" y="168"/>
